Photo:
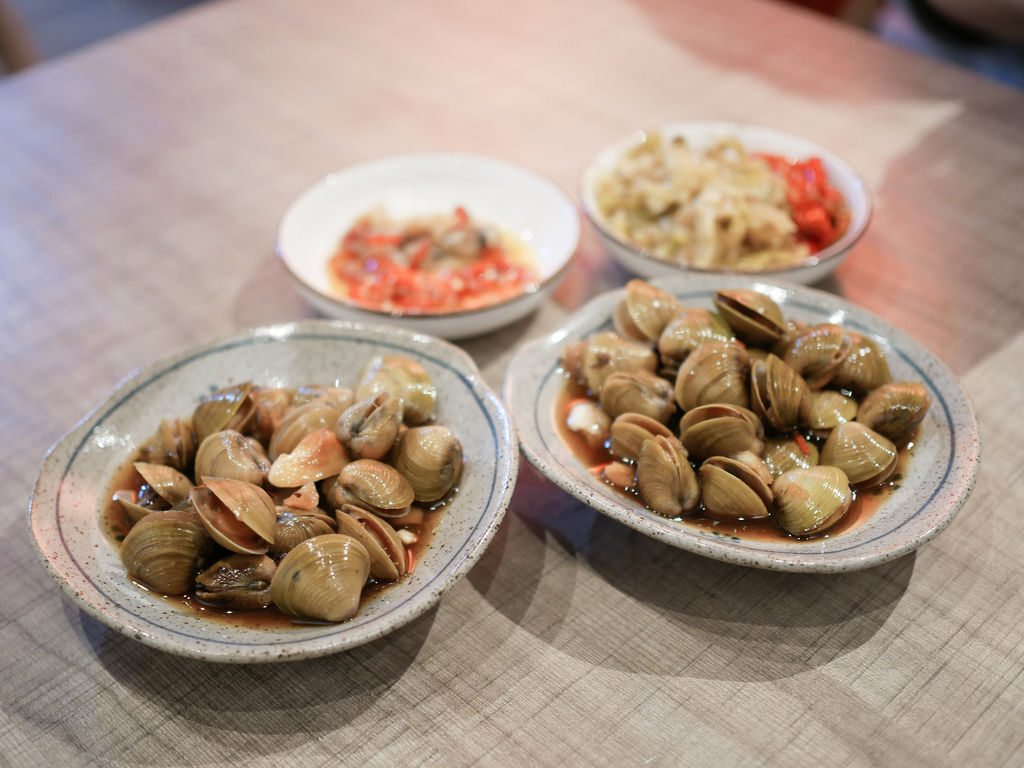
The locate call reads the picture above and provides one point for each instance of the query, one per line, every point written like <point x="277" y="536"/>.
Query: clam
<point x="817" y="353"/>
<point x="268" y="408"/>
<point x="303" y="499"/>
<point x="164" y="551"/>
<point x="720" y="429"/>
<point x="733" y="489"/>
<point x="644" y="311"/>
<point x="630" y="430"/>
<point x="368" y="429"/>
<point x="372" y="485"/>
<point x="430" y="458"/>
<point x="776" y="393"/>
<point x="237" y="582"/>
<point x="174" y="444"/>
<point x="299" y="422"/>
<point x="607" y="352"/>
<point x="782" y="454"/>
<point x="239" y="516"/>
<point x="688" y="330"/>
<point x="228" y="408"/>
<point x="863" y="368"/>
<point x="322" y="578"/>
<point x="338" y="398"/>
<point x="230" y="454"/>
<point x="866" y="457"/>
<point x="620" y="474"/>
<point x="404" y="378"/>
<point x="824" y="409"/>
<point x="163" y="488"/>
<point x="641" y="392"/>
<point x="715" y="372"/>
<point x="812" y="500"/>
<point x="318" y="455"/>
<point x="753" y="316"/>
<point x="293" y="526"/>
<point x="665" y="479"/>
<point x="895" y="410"/>
<point x="588" y="420"/>
<point x="382" y="542"/>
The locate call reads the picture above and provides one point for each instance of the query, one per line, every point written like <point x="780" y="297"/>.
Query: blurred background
<point x="986" y="36"/>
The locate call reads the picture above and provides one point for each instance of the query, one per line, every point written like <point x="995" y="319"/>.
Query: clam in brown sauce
<point x="737" y="420"/>
<point x="278" y="506"/>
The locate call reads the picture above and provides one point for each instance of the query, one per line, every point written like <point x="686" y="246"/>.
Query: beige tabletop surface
<point x="141" y="183"/>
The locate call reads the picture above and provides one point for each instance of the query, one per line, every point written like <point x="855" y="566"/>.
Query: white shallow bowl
<point x="756" y="138"/>
<point x="70" y="492"/>
<point x="493" y="191"/>
<point x="938" y="479"/>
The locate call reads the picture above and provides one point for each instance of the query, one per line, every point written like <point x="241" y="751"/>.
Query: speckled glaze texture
<point x="755" y="138"/>
<point x="938" y="480"/>
<point x="70" y="491"/>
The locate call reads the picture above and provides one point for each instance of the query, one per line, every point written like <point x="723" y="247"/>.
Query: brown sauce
<point x="116" y="525"/>
<point x="596" y="457"/>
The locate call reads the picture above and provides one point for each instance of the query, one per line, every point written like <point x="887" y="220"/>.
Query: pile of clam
<point x="739" y="414"/>
<point x="298" y="498"/>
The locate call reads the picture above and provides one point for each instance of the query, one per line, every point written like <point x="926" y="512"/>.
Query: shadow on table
<point x="292" y="701"/>
<point x="714" y="620"/>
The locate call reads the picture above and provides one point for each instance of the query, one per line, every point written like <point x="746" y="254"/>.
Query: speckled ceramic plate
<point x="65" y="507"/>
<point x="937" y="480"/>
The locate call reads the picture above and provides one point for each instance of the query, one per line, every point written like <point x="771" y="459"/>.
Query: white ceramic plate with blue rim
<point x="937" y="480"/>
<point x="64" y="514"/>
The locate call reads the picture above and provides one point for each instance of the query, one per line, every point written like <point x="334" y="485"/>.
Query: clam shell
<point x="720" y="429"/>
<point x="863" y="368"/>
<point x="318" y="455"/>
<point x="629" y="431"/>
<point x="230" y="454"/>
<point x="404" y="378"/>
<point x="375" y="533"/>
<point x="607" y="352"/>
<point x="782" y="454"/>
<point x="228" y="408"/>
<point x="377" y="486"/>
<point x="817" y="353"/>
<point x="239" y="516"/>
<point x="644" y="311"/>
<point x="688" y="330"/>
<point x="665" y="479"/>
<point x="754" y="317"/>
<point x="866" y="457"/>
<point x="164" y="551"/>
<point x="299" y="422"/>
<point x="640" y="392"/>
<point x="715" y="372"/>
<point x="430" y="458"/>
<point x="776" y="393"/>
<point x="895" y="410"/>
<point x="732" y="489"/>
<point x="812" y="500"/>
<point x="174" y="444"/>
<point x="322" y="578"/>
<point x="825" y="409"/>
<point x="237" y="582"/>
<point x="369" y="428"/>
<point x="293" y="526"/>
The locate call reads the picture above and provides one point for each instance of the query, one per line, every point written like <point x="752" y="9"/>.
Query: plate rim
<point x="966" y="460"/>
<point x="56" y="463"/>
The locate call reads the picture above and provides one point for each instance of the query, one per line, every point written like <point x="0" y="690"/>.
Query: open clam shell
<point x="239" y="516"/>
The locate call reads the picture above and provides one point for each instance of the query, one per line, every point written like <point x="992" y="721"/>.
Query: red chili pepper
<point x="461" y="217"/>
<point x="382" y="238"/>
<point x="805" y="449"/>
